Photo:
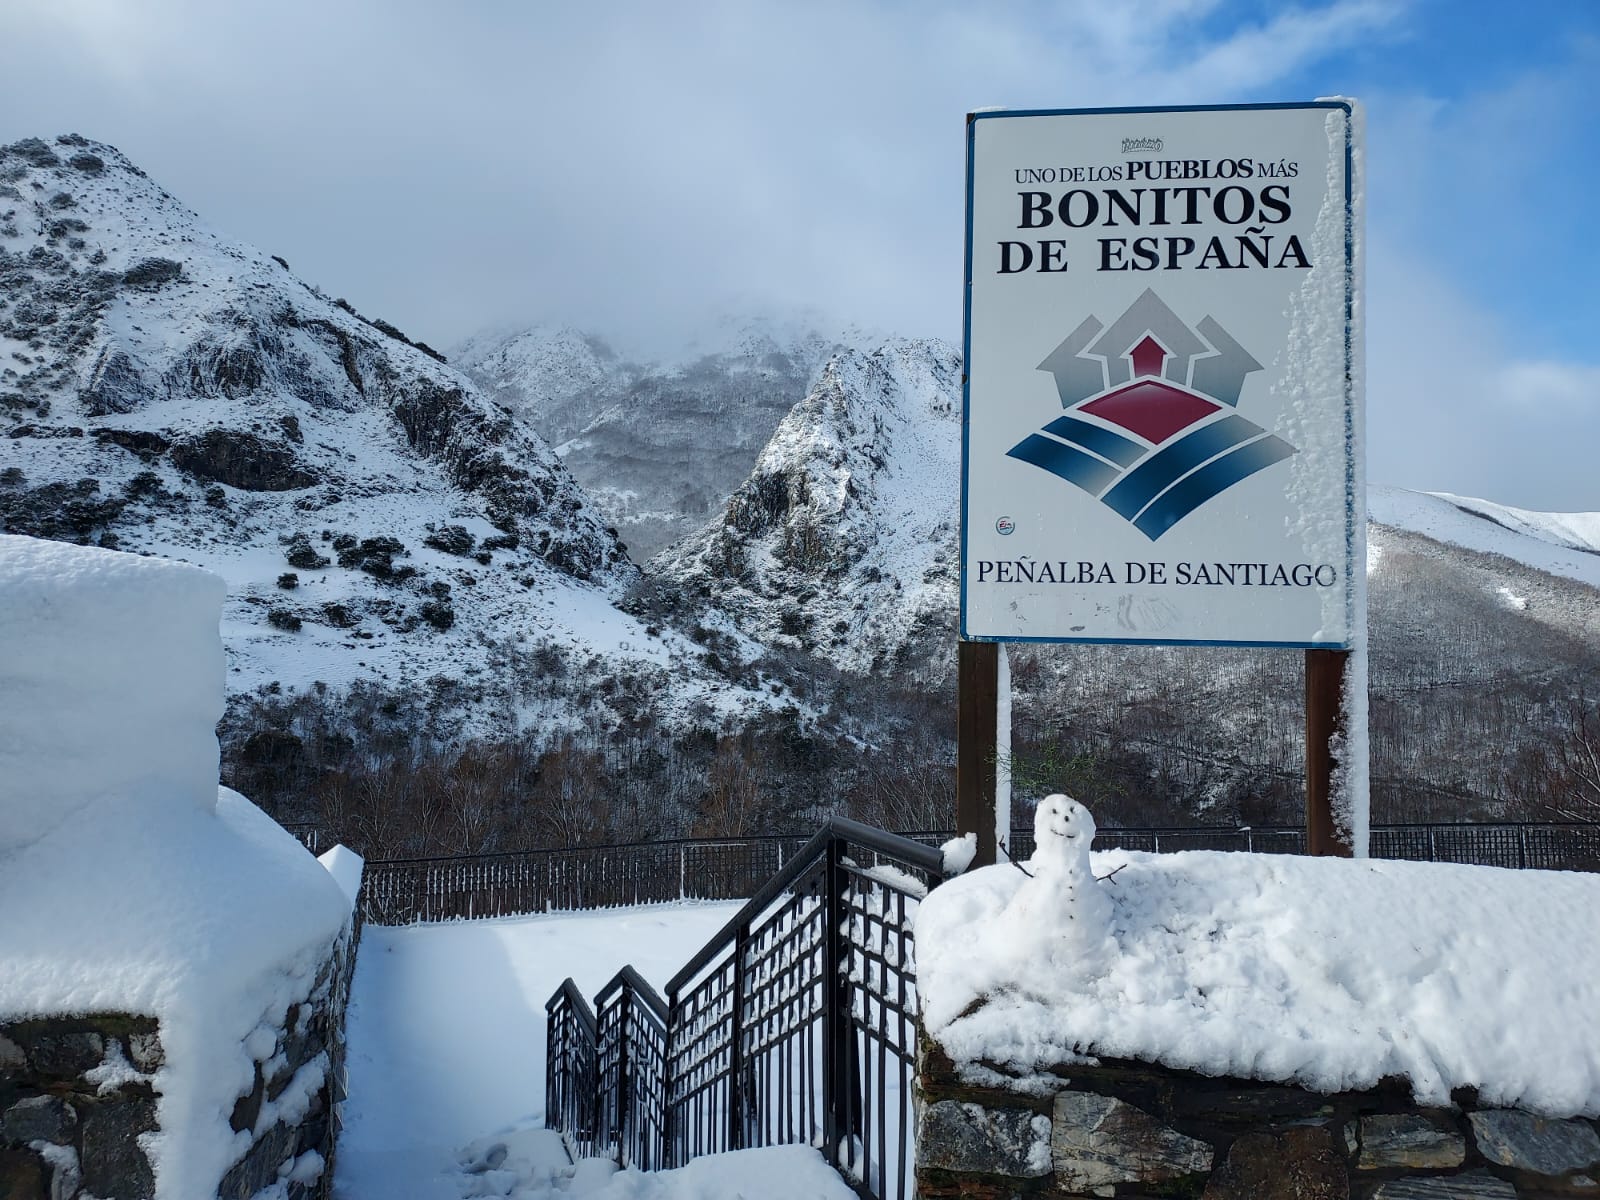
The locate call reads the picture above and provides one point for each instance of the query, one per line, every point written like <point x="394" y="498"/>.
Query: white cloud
<point x="1555" y="390"/>
<point x="445" y="166"/>
<point x="1451" y="408"/>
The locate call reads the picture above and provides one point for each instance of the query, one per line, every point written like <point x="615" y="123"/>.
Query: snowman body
<point x="1063" y="912"/>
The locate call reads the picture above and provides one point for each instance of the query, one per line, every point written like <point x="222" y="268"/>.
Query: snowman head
<point x="1062" y="822"/>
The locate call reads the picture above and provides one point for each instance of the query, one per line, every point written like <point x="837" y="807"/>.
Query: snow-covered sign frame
<point x="1162" y="427"/>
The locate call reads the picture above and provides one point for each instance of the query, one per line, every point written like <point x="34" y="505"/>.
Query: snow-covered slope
<point x="842" y="541"/>
<point x="659" y="443"/>
<point x="170" y="391"/>
<point x="555" y="375"/>
<point x="1565" y="544"/>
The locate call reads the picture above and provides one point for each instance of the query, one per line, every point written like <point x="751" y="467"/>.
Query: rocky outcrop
<point x="242" y="460"/>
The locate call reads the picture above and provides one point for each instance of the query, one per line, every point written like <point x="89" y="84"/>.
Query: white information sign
<point x="1162" y="427"/>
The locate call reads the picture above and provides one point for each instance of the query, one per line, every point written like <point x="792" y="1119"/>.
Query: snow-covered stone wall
<point x="173" y="965"/>
<point x="79" y="1101"/>
<point x="1246" y="1026"/>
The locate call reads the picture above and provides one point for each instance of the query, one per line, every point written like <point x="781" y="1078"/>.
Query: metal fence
<point x="796" y="1023"/>
<point x="403" y="891"/>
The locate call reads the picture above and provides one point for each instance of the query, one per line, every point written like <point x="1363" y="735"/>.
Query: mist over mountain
<point x="843" y="546"/>
<point x="661" y="441"/>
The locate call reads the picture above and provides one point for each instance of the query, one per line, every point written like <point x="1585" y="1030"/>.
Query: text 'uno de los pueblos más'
<point x="1171" y="194"/>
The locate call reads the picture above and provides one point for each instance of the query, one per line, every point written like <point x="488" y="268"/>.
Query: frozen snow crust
<point x="1329" y="973"/>
<point x="111" y="683"/>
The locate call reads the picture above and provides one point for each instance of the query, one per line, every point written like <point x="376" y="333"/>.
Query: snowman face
<point x="1062" y="820"/>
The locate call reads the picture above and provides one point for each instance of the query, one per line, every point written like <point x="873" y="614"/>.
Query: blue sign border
<point x="1350" y="399"/>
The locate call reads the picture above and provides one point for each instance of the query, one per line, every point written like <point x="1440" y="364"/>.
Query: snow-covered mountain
<point x="167" y="390"/>
<point x="1561" y="544"/>
<point x="660" y="443"/>
<point x="842" y="541"/>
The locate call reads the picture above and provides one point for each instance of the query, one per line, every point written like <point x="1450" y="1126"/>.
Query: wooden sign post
<point x="1325" y="673"/>
<point x="977" y="690"/>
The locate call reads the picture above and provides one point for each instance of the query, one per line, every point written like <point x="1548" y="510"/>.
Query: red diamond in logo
<point x="1151" y="408"/>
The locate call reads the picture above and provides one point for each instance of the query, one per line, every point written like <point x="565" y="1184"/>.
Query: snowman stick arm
<point x="1013" y="861"/>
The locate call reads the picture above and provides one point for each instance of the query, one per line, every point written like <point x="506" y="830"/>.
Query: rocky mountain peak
<point x="842" y="541"/>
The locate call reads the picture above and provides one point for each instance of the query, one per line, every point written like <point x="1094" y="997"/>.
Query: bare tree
<point x="1572" y="764"/>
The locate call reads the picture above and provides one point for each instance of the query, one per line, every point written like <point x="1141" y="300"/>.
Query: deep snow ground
<point x="446" y="1036"/>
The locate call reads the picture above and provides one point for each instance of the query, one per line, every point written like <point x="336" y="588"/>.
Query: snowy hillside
<point x="842" y="541"/>
<point x="659" y="442"/>
<point x="167" y="390"/>
<point x="1565" y="544"/>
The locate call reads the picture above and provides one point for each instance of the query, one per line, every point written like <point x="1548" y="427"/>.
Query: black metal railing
<point x="569" y="1094"/>
<point x="403" y="891"/>
<point x="796" y="1023"/>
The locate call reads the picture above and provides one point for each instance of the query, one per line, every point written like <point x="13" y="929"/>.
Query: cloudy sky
<point x="630" y="165"/>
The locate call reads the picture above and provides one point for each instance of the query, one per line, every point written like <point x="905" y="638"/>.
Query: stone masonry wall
<point x="1125" y="1129"/>
<point x="76" y="1093"/>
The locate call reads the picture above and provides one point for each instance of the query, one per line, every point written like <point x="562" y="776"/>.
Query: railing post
<point x="832" y="1018"/>
<point x="840" y="1082"/>
<point x="618" y="1133"/>
<point x="669" y="1110"/>
<point x="1522" y="845"/>
<point x="551" y="1106"/>
<point x="737" y="1099"/>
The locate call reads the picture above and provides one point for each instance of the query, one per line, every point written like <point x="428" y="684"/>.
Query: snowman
<point x="1062" y="911"/>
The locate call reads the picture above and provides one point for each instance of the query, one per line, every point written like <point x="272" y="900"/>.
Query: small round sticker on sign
<point x="1005" y="526"/>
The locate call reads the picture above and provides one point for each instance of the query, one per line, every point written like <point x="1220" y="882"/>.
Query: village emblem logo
<point x="1151" y="429"/>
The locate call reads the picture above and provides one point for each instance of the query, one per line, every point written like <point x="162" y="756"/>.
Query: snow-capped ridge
<point x="827" y="545"/>
<point x="1561" y="544"/>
